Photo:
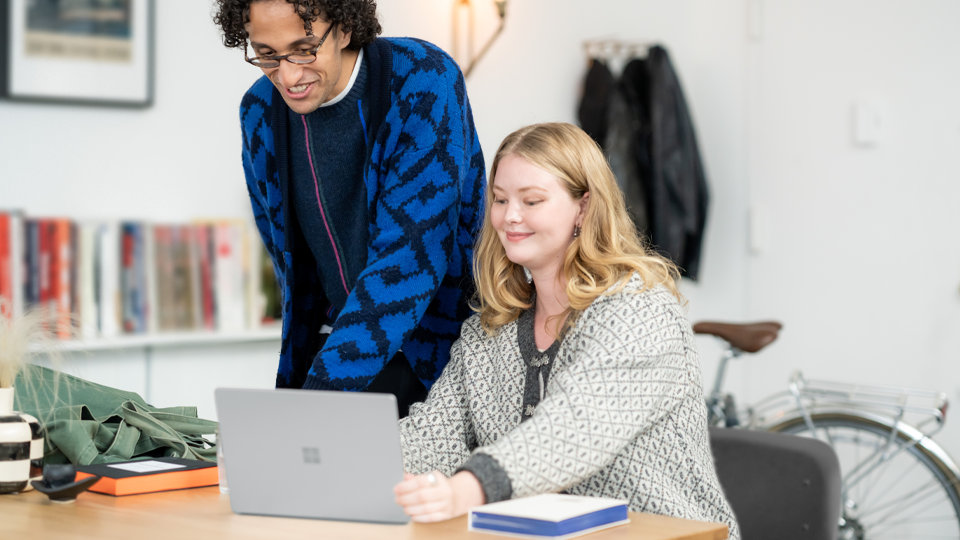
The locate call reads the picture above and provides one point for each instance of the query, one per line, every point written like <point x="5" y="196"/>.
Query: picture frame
<point x="93" y="52"/>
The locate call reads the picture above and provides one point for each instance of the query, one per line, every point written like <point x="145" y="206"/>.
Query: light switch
<point x="755" y="19"/>
<point x="869" y="117"/>
<point x="758" y="226"/>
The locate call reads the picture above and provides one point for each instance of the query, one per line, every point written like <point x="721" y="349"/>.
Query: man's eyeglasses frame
<point x="299" y="57"/>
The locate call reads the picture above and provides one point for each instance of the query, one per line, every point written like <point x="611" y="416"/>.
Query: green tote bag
<point x="88" y="423"/>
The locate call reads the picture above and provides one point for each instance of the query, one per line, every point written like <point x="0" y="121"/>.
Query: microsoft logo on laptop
<point x="311" y="454"/>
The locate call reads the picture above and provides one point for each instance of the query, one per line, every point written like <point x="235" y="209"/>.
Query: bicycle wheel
<point x="894" y="485"/>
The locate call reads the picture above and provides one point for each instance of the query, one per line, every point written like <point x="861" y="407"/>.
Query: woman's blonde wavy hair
<point x="605" y="253"/>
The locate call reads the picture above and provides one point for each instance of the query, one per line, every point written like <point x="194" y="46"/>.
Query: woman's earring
<point x="576" y="231"/>
<point x="527" y="274"/>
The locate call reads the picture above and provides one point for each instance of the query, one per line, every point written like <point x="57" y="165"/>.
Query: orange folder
<point x="149" y="475"/>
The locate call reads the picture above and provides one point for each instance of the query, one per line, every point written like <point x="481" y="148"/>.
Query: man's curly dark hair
<point x="356" y="16"/>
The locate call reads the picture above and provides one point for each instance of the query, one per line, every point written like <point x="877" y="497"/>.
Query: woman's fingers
<point x="413" y="482"/>
<point x="406" y="486"/>
<point x="415" y="497"/>
<point x="427" y="518"/>
<point x="434" y="497"/>
<point x="432" y="479"/>
<point x="425" y="497"/>
<point x="429" y="508"/>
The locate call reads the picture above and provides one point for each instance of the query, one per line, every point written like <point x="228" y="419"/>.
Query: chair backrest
<point x="780" y="486"/>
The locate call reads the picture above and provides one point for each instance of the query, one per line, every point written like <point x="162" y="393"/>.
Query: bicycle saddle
<point x="748" y="337"/>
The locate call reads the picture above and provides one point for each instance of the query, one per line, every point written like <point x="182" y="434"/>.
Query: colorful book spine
<point x="182" y="294"/>
<point x="548" y="515"/>
<point x="132" y="278"/>
<point x="17" y="270"/>
<point x="6" y="267"/>
<point x="204" y="257"/>
<point x="101" y="279"/>
<point x="32" y="266"/>
<point x="61" y="264"/>
<point x="163" y="260"/>
<point x="44" y="256"/>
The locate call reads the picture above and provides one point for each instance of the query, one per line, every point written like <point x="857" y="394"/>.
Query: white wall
<point x="857" y="246"/>
<point x="176" y="160"/>
<point x="861" y="261"/>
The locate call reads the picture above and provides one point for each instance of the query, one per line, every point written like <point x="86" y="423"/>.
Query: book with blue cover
<point x="550" y="515"/>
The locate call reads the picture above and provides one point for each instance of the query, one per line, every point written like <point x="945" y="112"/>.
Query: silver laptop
<point x="311" y="454"/>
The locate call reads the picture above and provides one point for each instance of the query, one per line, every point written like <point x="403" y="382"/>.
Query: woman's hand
<point x="434" y="497"/>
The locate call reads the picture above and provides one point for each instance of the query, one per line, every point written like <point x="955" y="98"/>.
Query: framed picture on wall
<point x="77" y="51"/>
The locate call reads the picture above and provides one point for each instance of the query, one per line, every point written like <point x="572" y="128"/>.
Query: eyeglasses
<point x="303" y="56"/>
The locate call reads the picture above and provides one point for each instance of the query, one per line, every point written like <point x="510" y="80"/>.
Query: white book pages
<point x="149" y="269"/>
<point x="229" y="276"/>
<point x="107" y="271"/>
<point x="86" y="280"/>
<point x="550" y="515"/>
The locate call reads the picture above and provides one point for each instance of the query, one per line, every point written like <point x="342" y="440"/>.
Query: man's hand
<point x="434" y="497"/>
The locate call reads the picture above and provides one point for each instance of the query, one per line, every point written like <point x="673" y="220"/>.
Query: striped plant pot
<point x="15" y="440"/>
<point x="36" y="447"/>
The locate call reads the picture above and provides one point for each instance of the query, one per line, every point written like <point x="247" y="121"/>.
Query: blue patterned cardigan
<point x="424" y="177"/>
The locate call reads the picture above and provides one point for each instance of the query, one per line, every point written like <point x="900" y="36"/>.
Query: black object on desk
<point x="58" y="483"/>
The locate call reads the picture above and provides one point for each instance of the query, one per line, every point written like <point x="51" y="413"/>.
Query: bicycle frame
<point x="889" y="407"/>
<point x="909" y="407"/>
<point x="717" y="406"/>
<point x="883" y="436"/>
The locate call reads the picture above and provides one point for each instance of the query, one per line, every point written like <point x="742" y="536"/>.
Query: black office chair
<point x="781" y="487"/>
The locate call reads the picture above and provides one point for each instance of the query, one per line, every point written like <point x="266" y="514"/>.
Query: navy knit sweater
<point x="327" y="153"/>
<point x="424" y="177"/>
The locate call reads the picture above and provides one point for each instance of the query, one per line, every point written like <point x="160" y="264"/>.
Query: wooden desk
<point x="204" y="513"/>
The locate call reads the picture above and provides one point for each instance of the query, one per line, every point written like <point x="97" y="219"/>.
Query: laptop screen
<point x="311" y="453"/>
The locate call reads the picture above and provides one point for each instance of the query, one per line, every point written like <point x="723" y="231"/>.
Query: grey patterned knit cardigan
<point x="623" y="414"/>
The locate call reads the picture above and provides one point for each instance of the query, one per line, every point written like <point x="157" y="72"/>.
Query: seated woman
<point x="578" y="374"/>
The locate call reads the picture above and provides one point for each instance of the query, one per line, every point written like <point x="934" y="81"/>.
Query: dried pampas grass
<point x="34" y="330"/>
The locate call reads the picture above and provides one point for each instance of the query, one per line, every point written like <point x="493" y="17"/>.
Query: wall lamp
<point x="464" y="23"/>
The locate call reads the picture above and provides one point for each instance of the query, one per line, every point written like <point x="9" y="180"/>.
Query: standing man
<point x="366" y="179"/>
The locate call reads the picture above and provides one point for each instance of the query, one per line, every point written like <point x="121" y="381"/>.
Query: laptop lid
<point x="311" y="453"/>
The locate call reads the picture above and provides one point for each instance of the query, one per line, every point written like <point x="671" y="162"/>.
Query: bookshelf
<point x="167" y="310"/>
<point x="266" y="333"/>
<point x="110" y="285"/>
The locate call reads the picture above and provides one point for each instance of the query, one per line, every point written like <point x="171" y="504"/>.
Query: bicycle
<point x="897" y="482"/>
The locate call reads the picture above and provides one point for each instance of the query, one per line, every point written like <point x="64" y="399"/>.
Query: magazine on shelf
<point x="550" y="515"/>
